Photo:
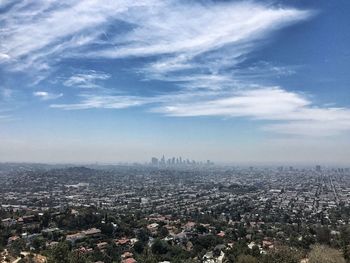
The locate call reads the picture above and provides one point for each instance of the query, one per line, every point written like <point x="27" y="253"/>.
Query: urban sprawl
<point x="174" y="210"/>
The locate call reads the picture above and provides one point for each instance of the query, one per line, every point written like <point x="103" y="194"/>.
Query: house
<point x="267" y="244"/>
<point x="129" y="260"/>
<point x="50" y="230"/>
<point x="221" y="234"/>
<point x="153" y="228"/>
<point x="12" y="239"/>
<point x="102" y="245"/>
<point x="209" y="257"/>
<point x="8" y="222"/>
<point x="189" y="226"/>
<point x="122" y="242"/>
<point x="126" y="255"/>
<point x="75" y="237"/>
<point x="28" y="219"/>
<point x="92" y="232"/>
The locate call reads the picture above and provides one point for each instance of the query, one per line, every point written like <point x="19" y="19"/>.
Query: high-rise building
<point x="318" y="168"/>
<point x="154" y="161"/>
<point x="162" y="161"/>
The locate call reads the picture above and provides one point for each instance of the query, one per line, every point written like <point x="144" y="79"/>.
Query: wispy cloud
<point x="44" y="95"/>
<point x="278" y="110"/>
<point x="294" y="113"/>
<point x="6" y="93"/>
<point x="200" y="47"/>
<point x="38" y="31"/>
<point x="87" y="79"/>
<point x="262" y="103"/>
<point x="5" y="118"/>
<point x="103" y="101"/>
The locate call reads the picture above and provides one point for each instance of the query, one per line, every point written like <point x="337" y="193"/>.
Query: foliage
<point x="246" y="259"/>
<point x="283" y="255"/>
<point x="59" y="253"/>
<point x="325" y="254"/>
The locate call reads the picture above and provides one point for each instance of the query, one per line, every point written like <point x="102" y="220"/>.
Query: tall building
<point x="154" y="161"/>
<point x="162" y="161"/>
<point x="318" y="168"/>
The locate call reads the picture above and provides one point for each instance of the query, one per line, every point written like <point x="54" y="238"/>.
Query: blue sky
<point x="231" y="81"/>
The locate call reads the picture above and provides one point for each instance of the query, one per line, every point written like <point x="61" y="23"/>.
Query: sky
<point x="121" y="81"/>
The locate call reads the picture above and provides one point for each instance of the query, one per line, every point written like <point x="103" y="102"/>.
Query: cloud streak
<point x="44" y="95"/>
<point x="86" y="80"/>
<point x="295" y="114"/>
<point x="104" y="101"/>
<point x="199" y="47"/>
<point x="278" y="110"/>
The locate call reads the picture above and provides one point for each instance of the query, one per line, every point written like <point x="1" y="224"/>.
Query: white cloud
<point x="263" y="103"/>
<point x="194" y="37"/>
<point x="6" y="115"/>
<point x="103" y="101"/>
<point x="195" y="28"/>
<point x="36" y="31"/>
<point x="199" y="47"/>
<point x="312" y="128"/>
<point x="285" y="112"/>
<point x="295" y="114"/>
<point x="86" y="80"/>
<point x="6" y="93"/>
<point x="44" y="95"/>
<point x="4" y="57"/>
<point x="42" y="32"/>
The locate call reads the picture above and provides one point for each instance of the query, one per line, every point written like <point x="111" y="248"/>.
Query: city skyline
<point x="227" y="81"/>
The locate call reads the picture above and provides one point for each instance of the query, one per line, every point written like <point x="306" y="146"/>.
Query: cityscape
<point x="177" y="161"/>
<point x="174" y="131"/>
<point x="189" y="212"/>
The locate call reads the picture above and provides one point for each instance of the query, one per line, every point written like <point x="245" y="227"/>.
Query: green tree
<point x="38" y="243"/>
<point x="139" y="247"/>
<point x="255" y="251"/>
<point x="323" y="235"/>
<point x="246" y="259"/>
<point x="59" y="253"/>
<point x="143" y="235"/>
<point x="325" y="254"/>
<point x="283" y="255"/>
<point x="163" y="232"/>
<point x="159" y="247"/>
<point x="16" y="247"/>
<point x="77" y="257"/>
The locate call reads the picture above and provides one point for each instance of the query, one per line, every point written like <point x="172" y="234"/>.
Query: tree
<point x="38" y="243"/>
<point x="139" y="247"/>
<point x="201" y="229"/>
<point x="283" y="255"/>
<point x="240" y="248"/>
<point x="113" y="252"/>
<point x="323" y="235"/>
<point x="246" y="259"/>
<point x="77" y="257"/>
<point x="143" y="235"/>
<point x="325" y="254"/>
<point x="163" y="232"/>
<point x="16" y="247"/>
<point x="107" y="229"/>
<point x="159" y="247"/>
<point x="59" y="253"/>
<point x="27" y="259"/>
<point x="255" y="251"/>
